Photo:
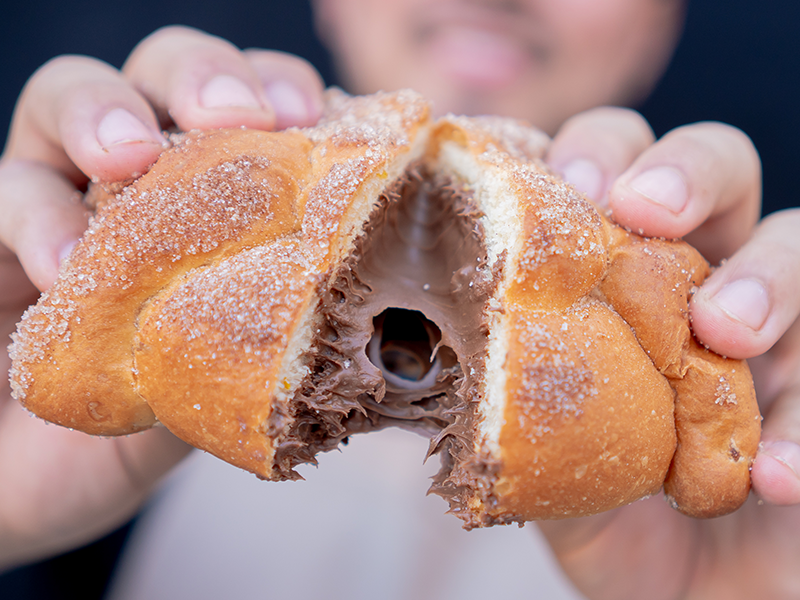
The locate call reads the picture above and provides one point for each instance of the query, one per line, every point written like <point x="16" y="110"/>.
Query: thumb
<point x="776" y="470"/>
<point x="643" y="550"/>
<point x="147" y="456"/>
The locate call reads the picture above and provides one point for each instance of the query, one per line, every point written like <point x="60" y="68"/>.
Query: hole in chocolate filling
<point x="402" y="347"/>
<point x="403" y="336"/>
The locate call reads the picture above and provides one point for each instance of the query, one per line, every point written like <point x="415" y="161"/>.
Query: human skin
<point x="540" y="60"/>
<point x="80" y="119"/>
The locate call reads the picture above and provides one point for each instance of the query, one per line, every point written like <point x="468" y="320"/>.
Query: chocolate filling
<point x="403" y="338"/>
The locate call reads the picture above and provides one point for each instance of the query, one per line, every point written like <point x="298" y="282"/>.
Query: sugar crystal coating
<point x="380" y="120"/>
<point x="218" y="263"/>
<point x="249" y="298"/>
<point x="513" y="137"/>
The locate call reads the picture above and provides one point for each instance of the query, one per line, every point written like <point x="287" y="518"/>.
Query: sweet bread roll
<point x="266" y="295"/>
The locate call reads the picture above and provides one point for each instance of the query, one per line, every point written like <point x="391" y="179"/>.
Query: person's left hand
<point x="80" y="119"/>
<point x="701" y="182"/>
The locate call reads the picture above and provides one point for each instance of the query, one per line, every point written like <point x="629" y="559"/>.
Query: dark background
<point x="738" y="62"/>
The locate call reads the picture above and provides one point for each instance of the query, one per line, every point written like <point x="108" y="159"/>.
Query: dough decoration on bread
<point x="266" y="295"/>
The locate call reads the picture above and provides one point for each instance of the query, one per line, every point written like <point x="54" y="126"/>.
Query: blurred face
<point x="541" y="60"/>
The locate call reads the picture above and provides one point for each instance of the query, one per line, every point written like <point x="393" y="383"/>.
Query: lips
<point x="480" y="46"/>
<point x="478" y="57"/>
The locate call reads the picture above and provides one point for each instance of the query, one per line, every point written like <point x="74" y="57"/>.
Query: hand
<point x="701" y="182"/>
<point x="79" y="119"/>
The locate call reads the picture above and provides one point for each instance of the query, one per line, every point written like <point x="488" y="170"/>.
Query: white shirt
<point x="360" y="527"/>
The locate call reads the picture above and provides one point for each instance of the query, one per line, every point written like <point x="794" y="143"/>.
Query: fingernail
<point x="227" y="91"/>
<point x="586" y="176"/>
<point x="745" y="300"/>
<point x="288" y="102"/>
<point x="664" y="186"/>
<point x="120" y="127"/>
<point x="787" y="453"/>
<point x="66" y="250"/>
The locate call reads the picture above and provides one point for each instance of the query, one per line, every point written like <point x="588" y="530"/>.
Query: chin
<point x="464" y="100"/>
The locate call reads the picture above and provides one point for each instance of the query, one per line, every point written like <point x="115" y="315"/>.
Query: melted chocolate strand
<point x="422" y="250"/>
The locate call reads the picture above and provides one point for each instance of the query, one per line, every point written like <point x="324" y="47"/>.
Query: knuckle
<point x="271" y="63"/>
<point x="699" y="148"/>
<point x="175" y="40"/>
<point x="612" y="123"/>
<point x="726" y="130"/>
<point x="779" y="230"/>
<point x="283" y="59"/>
<point x="68" y="68"/>
<point x="168" y="34"/>
<point x="616" y="116"/>
<point x="716" y="138"/>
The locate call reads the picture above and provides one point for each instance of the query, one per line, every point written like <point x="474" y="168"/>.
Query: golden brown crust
<point x="168" y="300"/>
<point x="665" y="274"/>
<point x="190" y="208"/>
<point x="194" y="316"/>
<point x="583" y="433"/>
<point x="718" y="425"/>
<point x="632" y="366"/>
<point x="213" y="387"/>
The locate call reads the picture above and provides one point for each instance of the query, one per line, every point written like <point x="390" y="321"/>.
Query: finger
<point x="99" y="483"/>
<point x="609" y="556"/>
<point x="703" y="178"/>
<point x="81" y="117"/>
<point x="292" y="85"/>
<point x="198" y="81"/>
<point x="595" y="147"/>
<point x="776" y="470"/>
<point x="749" y="302"/>
<point x="42" y="218"/>
<point x="18" y="290"/>
<point x="148" y="456"/>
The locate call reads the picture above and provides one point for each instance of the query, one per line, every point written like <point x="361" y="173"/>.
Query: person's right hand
<point x="79" y="119"/>
<point x="701" y="182"/>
